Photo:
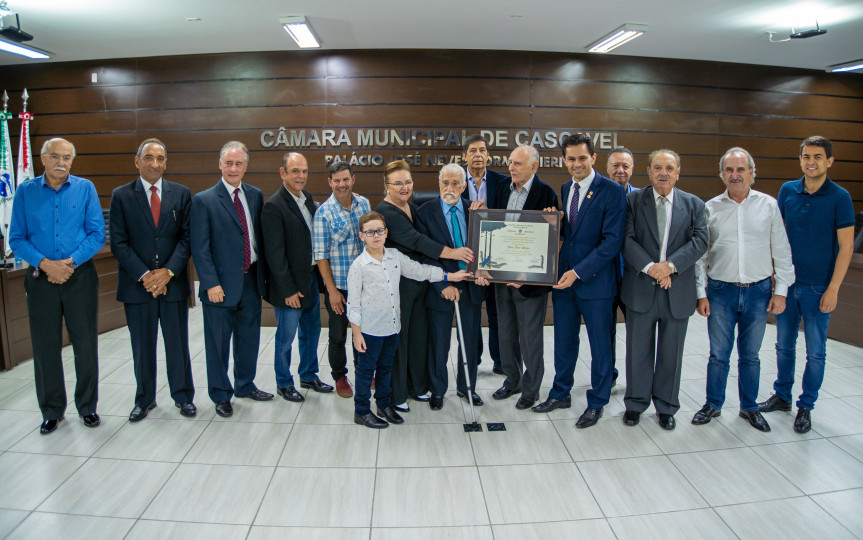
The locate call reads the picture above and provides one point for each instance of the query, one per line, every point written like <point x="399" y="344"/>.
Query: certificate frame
<point x="527" y="250"/>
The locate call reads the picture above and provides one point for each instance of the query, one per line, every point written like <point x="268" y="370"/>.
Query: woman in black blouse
<point x="410" y="375"/>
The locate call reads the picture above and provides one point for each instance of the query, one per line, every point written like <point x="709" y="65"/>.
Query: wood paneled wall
<point x="196" y="103"/>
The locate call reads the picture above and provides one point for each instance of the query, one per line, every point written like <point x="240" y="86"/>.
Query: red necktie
<point x="155" y="204"/>
<point x="247" y="247"/>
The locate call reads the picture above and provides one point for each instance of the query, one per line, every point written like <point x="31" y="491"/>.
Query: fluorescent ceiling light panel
<point x="29" y="52"/>
<point x="616" y="38"/>
<point x="301" y="32"/>
<point x="856" y="65"/>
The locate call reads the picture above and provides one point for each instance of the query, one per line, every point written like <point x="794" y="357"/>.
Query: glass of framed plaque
<point x="515" y="246"/>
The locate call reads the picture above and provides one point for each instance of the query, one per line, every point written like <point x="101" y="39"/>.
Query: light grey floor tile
<point x="277" y="411"/>
<point x="429" y="445"/>
<point x="476" y="532"/>
<point x="308" y="533"/>
<point x="843" y="354"/>
<point x="789" y="518"/>
<point x="626" y="487"/>
<point x="854" y="401"/>
<point x="27" y="479"/>
<point x="114" y="399"/>
<point x="150" y="530"/>
<point x="687" y="437"/>
<point x="449" y="497"/>
<point x="330" y="446"/>
<point x="505" y="489"/>
<point x="16" y="426"/>
<point x="814" y="466"/>
<point x="167" y="410"/>
<point x="152" y="439"/>
<point x="845" y="507"/>
<point x="703" y="524"/>
<point x="842" y="382"/>
<point x="324" y="408"/>
<point x="853" y="444"/>
<point x="834" y="417"/>
<point x="594" y="529"/>
<point x="72" y="438"/>
<point x="229" y="443"/>
<point x="40" y="525"/>
<point x="737" y="475"/>
<point x="451" y="413"/>
<point x="109" y="487"/>
<point x="780" y="428"/>
<point x="497" y="410"/>
<point x="115" y="348"/>
<point x="521" y="443"/>
<point x="608" y="439"/>
<point x="9" y="385"/>
<point x="211" y="494"/>
<point x="9" y="519"/>
<point x="22" y="370"/>
<point x="311" y="497"/>
<point x="24" y="399"/>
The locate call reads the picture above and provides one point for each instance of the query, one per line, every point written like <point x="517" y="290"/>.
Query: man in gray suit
<point x="665" y="235"/>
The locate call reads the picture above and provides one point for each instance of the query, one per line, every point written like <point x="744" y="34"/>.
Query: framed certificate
<point x="515" y="246"/>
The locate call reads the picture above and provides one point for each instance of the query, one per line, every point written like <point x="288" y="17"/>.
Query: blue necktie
<point x="573" y="206"/>
<point x="456" y="234"/>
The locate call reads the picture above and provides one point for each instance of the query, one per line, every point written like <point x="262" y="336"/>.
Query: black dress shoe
<point x="497" y="371"/>
<point x="589" y="417"/>
<point x="503" y="392"/>
<point x="49" y="426"/>
<point x="705" y="415"/>
<point x="370" y="420"/>
<point x="666" y="421"/>
<point x="551" y="404"/>
<point x="290" y="393"/>
<point x="631" y="418"/>
<point x="91" y="420"/>
<point x="803" y="422"/>
<point x="390" y="415"/>
<point x="755" y="418"/>
<point x="187" y="409"/>
<point x="774" y="403"/>
<point x="436" y="402"/>
<point x="224" y="409"/>
<point x="258" y="395"/>
<point x="317" y="385"/>
<point x="524" y="403"/>
<point x="477" y="401"/>
<point x="139" y="413"/>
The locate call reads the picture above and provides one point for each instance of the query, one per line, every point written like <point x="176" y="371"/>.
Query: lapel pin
<point x="589" y="194"/>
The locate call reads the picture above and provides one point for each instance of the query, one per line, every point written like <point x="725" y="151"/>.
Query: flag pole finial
<point x="5" y="101"/>
<point x="25" y="96"/>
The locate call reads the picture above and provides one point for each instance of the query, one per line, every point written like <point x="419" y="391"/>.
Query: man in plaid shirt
<point x="336" y="244"/>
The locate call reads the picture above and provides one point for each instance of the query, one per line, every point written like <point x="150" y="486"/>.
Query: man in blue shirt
<point x="819" y="220"/>
<point x="57" y="226"/>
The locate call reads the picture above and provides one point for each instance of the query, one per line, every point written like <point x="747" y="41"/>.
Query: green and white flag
<point x="7" y="176"/>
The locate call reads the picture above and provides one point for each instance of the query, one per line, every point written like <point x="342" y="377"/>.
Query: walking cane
<point x="473" y="426"/>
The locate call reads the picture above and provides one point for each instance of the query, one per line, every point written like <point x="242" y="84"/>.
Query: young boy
<point x="373" y="311"/>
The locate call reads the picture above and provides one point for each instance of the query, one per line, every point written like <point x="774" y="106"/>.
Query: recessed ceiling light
<point x="29" y="52"/>
<point x="616" y="38"/>
<point x="301" y="31"/>
<point x="856" y="65"/>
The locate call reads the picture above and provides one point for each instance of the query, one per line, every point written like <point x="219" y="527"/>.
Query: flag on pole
<point x="7" y="176"/>
<point x="25" y="154"/>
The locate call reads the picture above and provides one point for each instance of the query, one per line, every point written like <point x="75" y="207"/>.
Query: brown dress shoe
<point x="343" y="387"/>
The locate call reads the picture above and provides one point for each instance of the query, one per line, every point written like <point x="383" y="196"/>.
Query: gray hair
<point x="151" y="141"/>
<point x="668" y="151"/>
<point x="233" y="145"/>
<point x="738" y="150"/>
<point x="532" y="154"/>
<point x="49" y="142"/>
<point x="452" y="168"/>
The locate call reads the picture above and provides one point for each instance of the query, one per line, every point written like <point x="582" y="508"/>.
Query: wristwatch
<point x="672" y="267"/>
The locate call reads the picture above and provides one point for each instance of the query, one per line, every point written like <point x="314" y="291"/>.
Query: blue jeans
<point x="745" y="308"/>
<point x="376" y="362"/>
<point x="308" y="321"/>
<point x="803" y="302"/>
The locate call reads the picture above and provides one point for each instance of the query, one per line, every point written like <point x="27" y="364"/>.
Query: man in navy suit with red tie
<point x="592" y="233"/>
<point x="228" y="252"/>
<point x="150" y="239"/>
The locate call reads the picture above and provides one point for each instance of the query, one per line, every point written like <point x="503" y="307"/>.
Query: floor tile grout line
<point x="831" y="515"/>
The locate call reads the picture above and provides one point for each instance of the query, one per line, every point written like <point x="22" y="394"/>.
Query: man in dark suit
<point x="150" y="238"/>
<point x="444" y="220"/>
<point x="592" y="233"/>
<point x="666" y="234"/>
<point x="482" y="185"/>
<point x="522" y="307"/>
<point x="292" y="285"/>
<point x="226" y="248"/>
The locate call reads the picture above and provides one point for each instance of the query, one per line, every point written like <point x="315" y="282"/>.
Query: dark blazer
<point x="430" y="222"/>
<point x="217" y="241"/>
<point x="687" y="242"/>
<point x="136" y="240"/>
<point x="494" y="181"/>
<point x="288" y="248"/>
<point x="591" y="248"/>
<point x="403" y="235"/>
<point x="540" y="196"/>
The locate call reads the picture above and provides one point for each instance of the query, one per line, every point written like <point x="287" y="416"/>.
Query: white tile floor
<point x="279" y="469"/>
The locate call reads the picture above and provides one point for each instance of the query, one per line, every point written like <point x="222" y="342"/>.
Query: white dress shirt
<point x="746" y="243"/>
<point x="148" y="185"/>
<point x="373" y="290"/>
<point x="583" y="187"/>
<point x="242" y="194"/>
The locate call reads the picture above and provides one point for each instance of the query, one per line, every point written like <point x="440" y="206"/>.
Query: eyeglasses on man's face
<point x="375" y="232"/>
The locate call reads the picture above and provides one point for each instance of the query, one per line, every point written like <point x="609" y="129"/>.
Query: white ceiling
<point x="721" y="30"/>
